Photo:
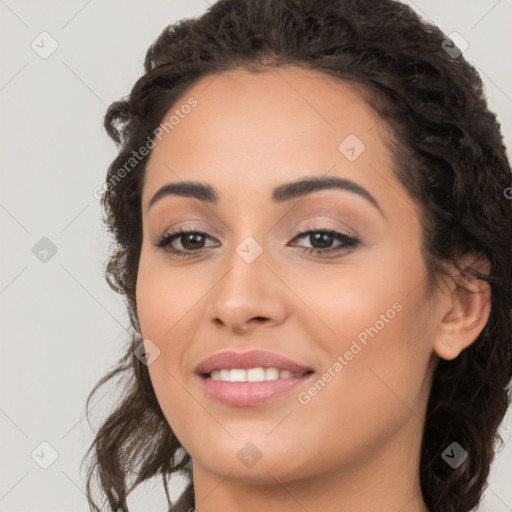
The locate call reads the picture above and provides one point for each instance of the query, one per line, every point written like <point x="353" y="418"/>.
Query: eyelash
<point x="349" y="242"/>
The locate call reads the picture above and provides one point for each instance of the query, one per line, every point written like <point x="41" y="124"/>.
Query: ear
<point x="465" y="309"/>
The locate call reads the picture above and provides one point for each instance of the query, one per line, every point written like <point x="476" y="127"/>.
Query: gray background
<point x="62" y="327"/>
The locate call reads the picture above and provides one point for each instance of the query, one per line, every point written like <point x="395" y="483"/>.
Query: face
<point x="323" y="293"/>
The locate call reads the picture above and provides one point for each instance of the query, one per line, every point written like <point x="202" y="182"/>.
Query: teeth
<point x="237" y="375"/>
<point x="252" y="374"/>
<point x="255" y="374"/>
<point x="271" y="374"/>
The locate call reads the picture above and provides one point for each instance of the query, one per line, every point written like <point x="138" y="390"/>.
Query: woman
<point x="314" y="242"/>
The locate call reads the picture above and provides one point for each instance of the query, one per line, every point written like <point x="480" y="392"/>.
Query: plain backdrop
<point x="62" y="327"/>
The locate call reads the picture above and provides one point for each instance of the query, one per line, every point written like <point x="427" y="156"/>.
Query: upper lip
<point x="246" y="360"/>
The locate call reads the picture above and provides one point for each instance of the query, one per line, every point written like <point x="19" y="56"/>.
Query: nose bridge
<point x="247" y="274"/>
<point x="248" y="289"/>
<point x="249" y="239"/>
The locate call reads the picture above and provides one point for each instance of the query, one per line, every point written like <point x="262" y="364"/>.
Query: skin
<point x="356" y="445"/>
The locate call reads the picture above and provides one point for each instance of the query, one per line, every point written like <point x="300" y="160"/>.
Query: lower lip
<point x="248" y="394"/>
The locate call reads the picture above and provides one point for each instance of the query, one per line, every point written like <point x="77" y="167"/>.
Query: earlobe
<point x="467" y="311"/>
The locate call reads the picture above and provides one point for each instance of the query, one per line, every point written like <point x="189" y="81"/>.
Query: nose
<point x="246" y="296"/>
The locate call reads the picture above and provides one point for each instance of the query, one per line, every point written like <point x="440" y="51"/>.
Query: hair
<point x="448" y="152"/>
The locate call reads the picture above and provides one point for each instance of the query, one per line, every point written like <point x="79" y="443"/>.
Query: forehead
<point x="267" y="127"/>
<point x="289" y="98"/>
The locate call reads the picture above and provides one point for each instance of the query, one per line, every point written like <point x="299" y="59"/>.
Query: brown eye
<point x="322" y="240"/>
<point x="192" y="242"/>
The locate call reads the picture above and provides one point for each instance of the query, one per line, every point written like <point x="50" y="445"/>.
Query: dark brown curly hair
<point x="448" y="153"/>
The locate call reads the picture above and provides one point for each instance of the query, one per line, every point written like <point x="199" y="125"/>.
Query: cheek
<point x="369" y="389"/>
<point x="361" y="295"/>
<point x="376" y="318"/>
<point x="165" y="306"/>
<point x="164" y="296"/>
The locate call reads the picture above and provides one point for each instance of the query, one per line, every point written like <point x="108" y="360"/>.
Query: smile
<point x="250" y="378"/>
<point x="253" y="374"/>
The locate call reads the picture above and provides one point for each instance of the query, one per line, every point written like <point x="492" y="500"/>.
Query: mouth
<point x="250" y="378"/>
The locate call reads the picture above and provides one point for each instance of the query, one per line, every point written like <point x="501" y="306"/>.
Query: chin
<point x="260" y="461"/>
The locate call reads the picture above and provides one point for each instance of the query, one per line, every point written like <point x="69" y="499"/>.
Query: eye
<point x="189" y="237"/>
<point x="322" y="240"/>
<point x="193" y="241"/>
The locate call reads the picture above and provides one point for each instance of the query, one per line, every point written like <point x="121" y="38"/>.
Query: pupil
<point x="194" y="243"/>
<point x="319" y="237"/>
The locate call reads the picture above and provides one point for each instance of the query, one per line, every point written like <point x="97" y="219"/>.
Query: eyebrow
<point x="282" y="193"/>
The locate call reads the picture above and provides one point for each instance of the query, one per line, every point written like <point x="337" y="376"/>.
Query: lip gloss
<point x="248" y="394"/>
